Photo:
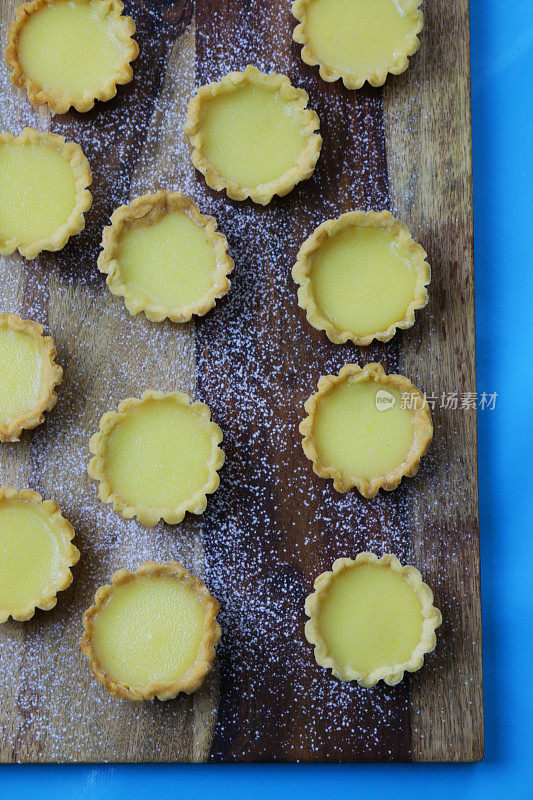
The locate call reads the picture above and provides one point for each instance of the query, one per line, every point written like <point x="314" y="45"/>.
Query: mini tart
<point x="253" y="135"/>
<point x="28" y="376"/>
<point x="366" y="429"/>
<point x="358" y="41"/>
<point x="361" y="277"/>
<point x="165" y="258"/>
<point x="371" y="619"/>
<point x="43" y="192"/>
<point x="157" y="457"/>
<point x="151" y="633"/>
<point x="36" y="554"/>
<point x="71" y="52"/>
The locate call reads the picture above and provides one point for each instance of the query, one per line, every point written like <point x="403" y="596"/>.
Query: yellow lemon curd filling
<point x="251" y="135"/>
<point x="363" y="279"/>
<point x="20" y="373"/>
<point x="32" y="554"/>
<point x="157" y="455"/>
<point x="370" y="618"/>
<point x="170" y="261"/>
<point x="149" y="630"/>
<point x="354" y="435"/>
<point x="358" y="36"/>
<point x="37" y="191"/>
<point x="71" y="46"/>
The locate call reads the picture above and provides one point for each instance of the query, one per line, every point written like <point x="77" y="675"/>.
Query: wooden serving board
<point x="272" y="526"/>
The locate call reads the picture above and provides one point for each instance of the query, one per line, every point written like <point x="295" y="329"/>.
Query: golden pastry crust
<point x="303" y="268"/>
<point x="423" y="429"/>
<point x="60" y="100"/>
<point x="196" y="674"/>
<point x="149" y="517"/>
<point x="354" y="80"/>
<point x="281" y="186"/>
<point x="51" y="376"/>
<point x="48" y="598"/>
<point x="151" y="208"/>
<point x="81" y="171"/>
<point x="391" y="675"/>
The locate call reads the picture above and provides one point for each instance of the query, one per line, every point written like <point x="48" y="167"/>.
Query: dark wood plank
<point x="258" y="362"/>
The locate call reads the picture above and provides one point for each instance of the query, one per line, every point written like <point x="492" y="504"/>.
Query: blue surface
<point x="502" y="54"/>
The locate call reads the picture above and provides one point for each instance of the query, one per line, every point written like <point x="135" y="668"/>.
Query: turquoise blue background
<point x="502" y="106"/>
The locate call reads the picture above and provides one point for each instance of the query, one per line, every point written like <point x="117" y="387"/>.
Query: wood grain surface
<point x="273" y="525"/>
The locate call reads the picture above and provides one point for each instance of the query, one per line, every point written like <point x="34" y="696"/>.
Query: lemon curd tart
<point x="371" y="619"/>
<point x="152" y="633"/>
<point x="253" y="135"/>
<point x="43" y="192"/>
<point x="28" y="376"/>
<point x="157" y="457"/>
<point x="71" y="52"/>
<point x="36" y="554"/>
<point x="358" y="40"/>
<point x="366" y="429"/>
<point x="361" y="277"/>
<point x="165" y="258"/>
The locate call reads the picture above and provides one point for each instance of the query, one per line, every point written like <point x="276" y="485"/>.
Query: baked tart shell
<point x="355" y="79"/>
<point x="51" y="376"/>
<point x="423" y="430"/>
<point x="48" y="599"/>
<point x="149" y="516"/>
<point x="81" y="172"/>
<point x="59" y="100"/>
<point x="263" y="193"/>
<point x="151" y="208"/>
<point x="302" y="272"/>
<point x="393" y="674"/>
<point x="191" y="680"/>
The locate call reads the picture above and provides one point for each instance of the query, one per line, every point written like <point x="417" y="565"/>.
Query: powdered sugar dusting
<point x="272" y="526"/>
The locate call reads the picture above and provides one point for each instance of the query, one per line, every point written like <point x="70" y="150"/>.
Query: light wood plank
<point x="54" y="709"/>
<point x="427" y="125"/>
